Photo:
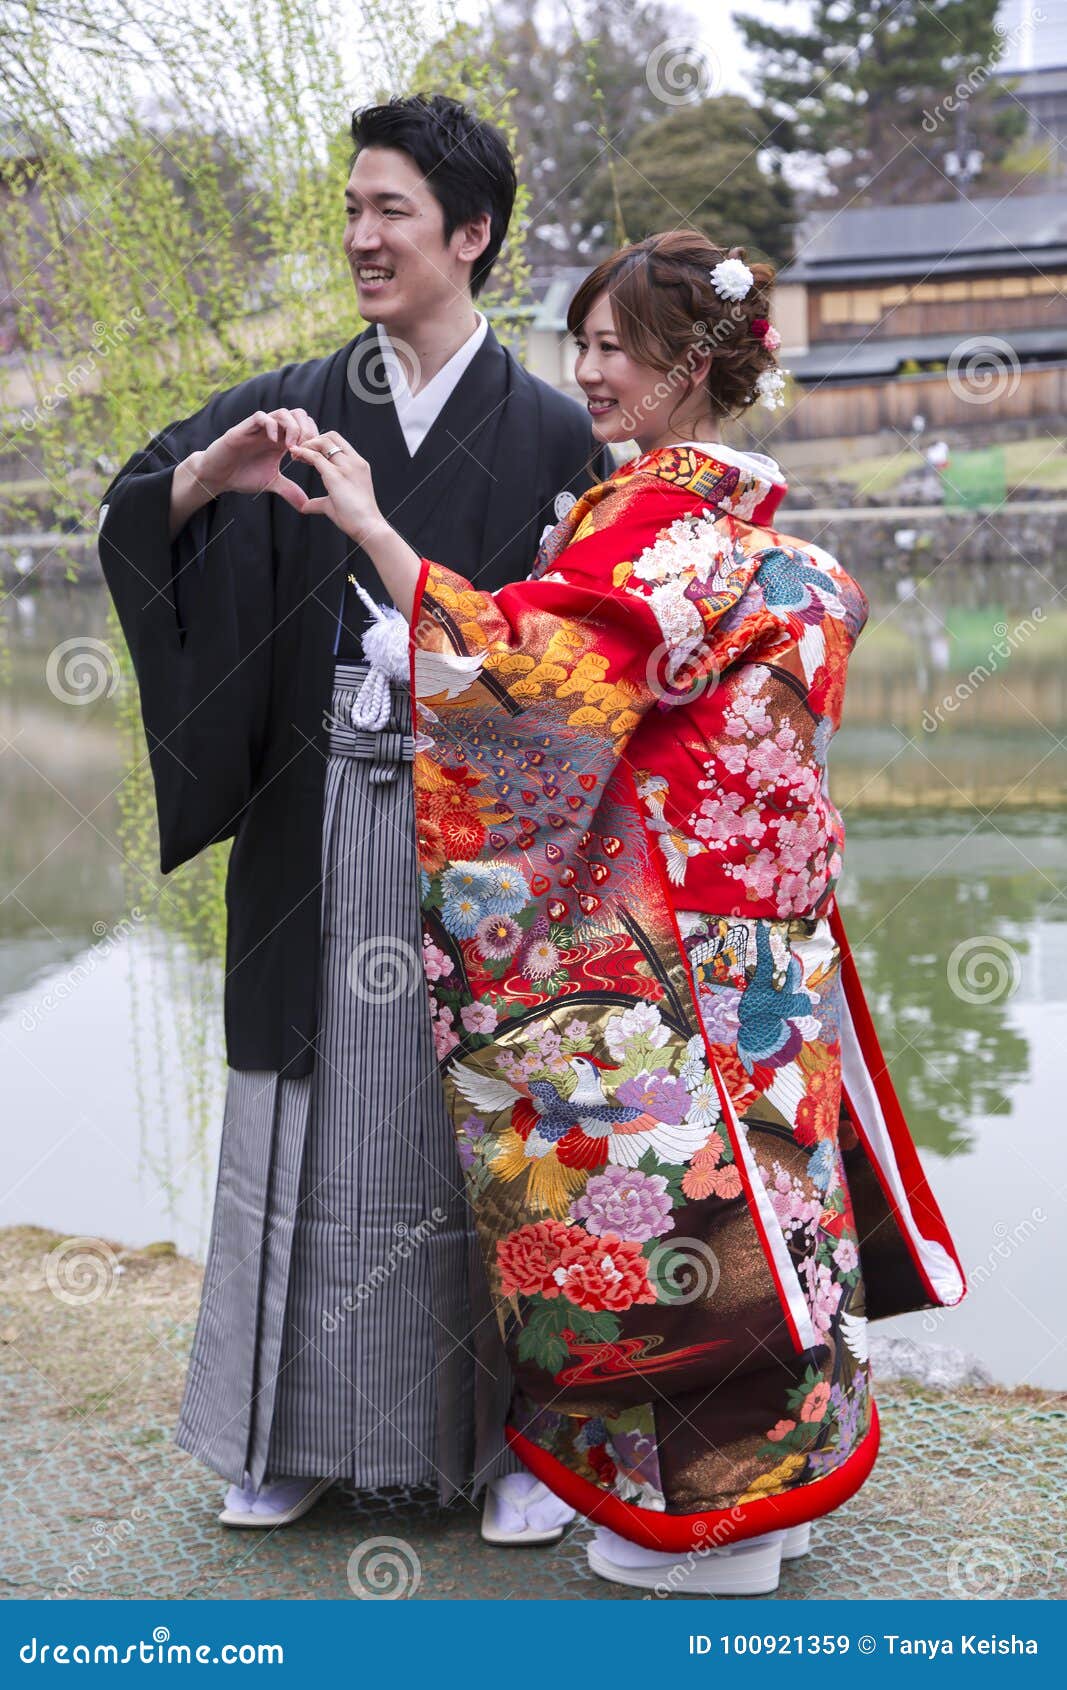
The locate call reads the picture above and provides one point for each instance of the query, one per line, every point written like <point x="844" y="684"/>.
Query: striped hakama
<point x="345" y="1326"/>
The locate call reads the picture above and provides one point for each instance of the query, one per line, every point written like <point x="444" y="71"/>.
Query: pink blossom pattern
<point x="434" y="960"/>
<point x="782" y="819"/>
<point x="822" y="1293"/>
<point x="478" y="1017"/>
<point x="445" y="1037"/>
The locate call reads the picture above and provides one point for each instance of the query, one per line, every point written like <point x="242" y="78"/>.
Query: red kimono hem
<point x="715" y="1528"/>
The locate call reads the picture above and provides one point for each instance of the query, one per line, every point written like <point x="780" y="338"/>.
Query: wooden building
<point x="956" y="311"/>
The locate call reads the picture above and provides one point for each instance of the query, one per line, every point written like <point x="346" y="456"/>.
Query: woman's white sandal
<point x="749" y="1568"/>
<point x="797" y="1542"/>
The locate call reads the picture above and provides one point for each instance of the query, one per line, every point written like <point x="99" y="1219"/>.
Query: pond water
<point x="953" y="896"/>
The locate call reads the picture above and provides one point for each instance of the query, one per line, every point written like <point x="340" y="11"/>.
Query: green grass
<point x="1040" y="461"/>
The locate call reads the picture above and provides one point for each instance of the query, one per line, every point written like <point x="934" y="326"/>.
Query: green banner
<point x="971" y="479"/>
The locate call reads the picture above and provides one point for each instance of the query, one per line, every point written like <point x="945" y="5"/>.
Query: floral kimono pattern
<point x="691" y="1177"/>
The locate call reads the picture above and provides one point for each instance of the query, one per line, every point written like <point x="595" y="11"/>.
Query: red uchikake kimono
<point x="690" y="1173"/>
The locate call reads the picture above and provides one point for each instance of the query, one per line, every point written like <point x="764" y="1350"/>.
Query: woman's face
<point x="631" y="401"/>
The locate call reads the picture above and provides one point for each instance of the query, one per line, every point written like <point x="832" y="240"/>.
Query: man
<point x="337" y="1337"/>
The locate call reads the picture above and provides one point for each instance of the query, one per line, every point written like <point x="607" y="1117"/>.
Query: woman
<point x="691" y="1176"/>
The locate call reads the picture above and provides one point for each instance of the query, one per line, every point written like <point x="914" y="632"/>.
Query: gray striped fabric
<point x="344" y="1325"/>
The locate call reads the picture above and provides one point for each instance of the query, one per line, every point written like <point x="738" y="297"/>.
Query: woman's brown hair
<point x="667" y="313"/>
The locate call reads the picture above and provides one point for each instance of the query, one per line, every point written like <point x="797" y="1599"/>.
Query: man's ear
<point x="473" y="238"/>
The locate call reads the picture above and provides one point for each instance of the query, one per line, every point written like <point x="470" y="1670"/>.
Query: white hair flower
<point x="770" y="387"/>
<point x="731" y="279"/>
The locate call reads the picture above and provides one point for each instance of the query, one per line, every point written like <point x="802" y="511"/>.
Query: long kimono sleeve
<point x="197" y="614"/>
<point x="616" y="628"/>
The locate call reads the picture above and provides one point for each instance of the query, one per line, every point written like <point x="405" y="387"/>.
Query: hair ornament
<point x="731" y="278"/>
<point x="770" y="388"/>
<point x="762" y="329"/>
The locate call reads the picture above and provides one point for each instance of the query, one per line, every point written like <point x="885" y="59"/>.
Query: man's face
<point x="403" y="267"/>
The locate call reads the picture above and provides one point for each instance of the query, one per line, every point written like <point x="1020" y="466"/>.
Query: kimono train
<point x="691" y="1177"/>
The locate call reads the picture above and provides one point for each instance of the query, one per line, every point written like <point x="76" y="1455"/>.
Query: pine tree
<point x="883" y="93"/>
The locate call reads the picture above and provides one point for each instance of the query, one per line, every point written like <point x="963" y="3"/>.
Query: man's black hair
<point x="466" y="162"/>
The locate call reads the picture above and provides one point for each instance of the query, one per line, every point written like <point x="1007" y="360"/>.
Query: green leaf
<point x="600" y="1325"/>
<point x="672" y="1172"/>
<point x="543" y="1348"/>
<point x="795" y="1397"/>
<point x="640" y="1058"/>
<point x="539" y="1340"/>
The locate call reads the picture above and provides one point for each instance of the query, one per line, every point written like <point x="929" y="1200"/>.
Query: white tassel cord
<point x="385" y="647"/>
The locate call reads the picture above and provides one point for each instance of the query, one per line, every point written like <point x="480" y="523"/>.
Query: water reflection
<point x="911" y="899"/>
<point x="957" y="694"/>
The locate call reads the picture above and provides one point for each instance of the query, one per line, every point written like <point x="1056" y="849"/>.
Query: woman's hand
<point x="351" y="504"/>
<point x="349" y="500"/>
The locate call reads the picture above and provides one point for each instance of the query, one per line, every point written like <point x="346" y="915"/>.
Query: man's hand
<point x="246" y="459"/>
